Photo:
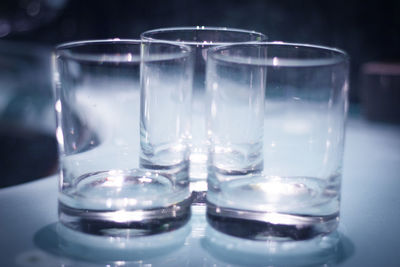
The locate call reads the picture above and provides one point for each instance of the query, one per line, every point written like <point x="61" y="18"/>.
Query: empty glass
<point x="97" y="101"/>
<point x="200" y="39"/>
<point x="275" y="165"/>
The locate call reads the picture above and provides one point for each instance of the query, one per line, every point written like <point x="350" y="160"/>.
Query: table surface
<point x="368" y="234"/>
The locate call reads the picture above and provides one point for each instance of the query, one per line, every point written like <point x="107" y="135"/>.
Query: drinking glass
<point x="275" y="164"/>
<point x="200" y="39"/>
<point x="97" y="85"/>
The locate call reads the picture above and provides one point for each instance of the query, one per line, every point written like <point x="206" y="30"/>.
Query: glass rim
<point x="339" y="56"/>
<point x="63" y="49"/>
<point x="144" y="36"/>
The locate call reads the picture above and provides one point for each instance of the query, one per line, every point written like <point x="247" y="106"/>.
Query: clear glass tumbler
<point x="97" y="85"/>
<point x="200" y="39"/>
<point x="275" y="165"/>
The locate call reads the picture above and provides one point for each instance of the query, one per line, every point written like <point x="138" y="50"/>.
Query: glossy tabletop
<point x="367" y="236"/>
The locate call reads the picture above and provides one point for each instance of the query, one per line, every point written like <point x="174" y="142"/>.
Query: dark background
<point x="367" y="30"/>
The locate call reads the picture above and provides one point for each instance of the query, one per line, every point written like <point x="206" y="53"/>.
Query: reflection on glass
<point x="282" y="156"/>
<point x="102" y="106"/>
<point x="200" y="39"/>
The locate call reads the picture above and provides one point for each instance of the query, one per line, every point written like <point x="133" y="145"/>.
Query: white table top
<point x="370" y="215"/>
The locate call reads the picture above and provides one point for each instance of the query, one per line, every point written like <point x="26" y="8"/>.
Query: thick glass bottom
<point x="134" y="189"/>
<point x="256" y="225"/>
<point x="125" y="223"/>
<point x="133" y="202"/>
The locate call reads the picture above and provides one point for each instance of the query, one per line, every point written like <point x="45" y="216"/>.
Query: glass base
<point x="124" y="223"/>
<point x="135" y="189"/>
<point x="256" y="225"/>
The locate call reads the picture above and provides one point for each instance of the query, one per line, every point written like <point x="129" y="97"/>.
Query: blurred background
<point x="368" y="30"/>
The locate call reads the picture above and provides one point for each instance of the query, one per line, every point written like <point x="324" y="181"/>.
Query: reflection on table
<point x="195" y="244"/>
